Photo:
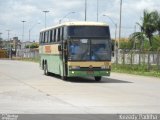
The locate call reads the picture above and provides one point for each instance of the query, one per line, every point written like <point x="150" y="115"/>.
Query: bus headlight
<point x="74" y="67"/>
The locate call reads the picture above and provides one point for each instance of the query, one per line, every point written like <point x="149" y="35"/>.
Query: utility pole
<point x="31" y="29"/>
<point x="120" y="22"/>
<point x="97" y="9"/>
<point x="23" y="37"/>
<point x="85" y="10"/>
<point x="8" y="38"/>
<point x="45" y="12"/>
<point x="9" y="45"/>
<point x="30" y="35"/>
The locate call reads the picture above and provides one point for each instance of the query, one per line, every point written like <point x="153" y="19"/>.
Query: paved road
<point x="24" y="89"/>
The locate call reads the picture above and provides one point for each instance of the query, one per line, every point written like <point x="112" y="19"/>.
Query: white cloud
<point x="14" y="11"/>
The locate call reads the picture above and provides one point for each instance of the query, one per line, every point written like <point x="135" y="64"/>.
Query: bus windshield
<point x="88" y="49"/>
<point x="88" y="31"/>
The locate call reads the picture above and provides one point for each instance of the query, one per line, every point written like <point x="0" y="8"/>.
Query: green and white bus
<point x="76" y="49"/>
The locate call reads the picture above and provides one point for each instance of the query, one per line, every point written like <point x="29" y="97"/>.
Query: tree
<point x="148" y="26"/>
<point x="33" y="45"/>
<point x="158" y="23"/>
<point x="125" y="43"/>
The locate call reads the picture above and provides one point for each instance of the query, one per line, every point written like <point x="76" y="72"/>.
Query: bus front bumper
<point x="75" y="73"/>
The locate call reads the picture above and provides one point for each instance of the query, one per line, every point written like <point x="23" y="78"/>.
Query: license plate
<point x="90" y="72"/>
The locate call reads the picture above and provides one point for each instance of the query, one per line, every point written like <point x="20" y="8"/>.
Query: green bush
<point x="125" y="44"/>
<point x="33" y="45"/>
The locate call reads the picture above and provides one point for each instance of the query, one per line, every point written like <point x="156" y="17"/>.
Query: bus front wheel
<point x="64" y="77"/>
<point x="98" y="78"/>
<point x="46" y="69"/>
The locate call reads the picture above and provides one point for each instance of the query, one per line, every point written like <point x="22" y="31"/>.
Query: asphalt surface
<point x="24" y="89"/>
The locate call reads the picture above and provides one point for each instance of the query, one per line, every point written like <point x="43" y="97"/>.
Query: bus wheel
<point x="98" y="78"/>
<point x="46" y="69"/>
<point x="63" y="77"/>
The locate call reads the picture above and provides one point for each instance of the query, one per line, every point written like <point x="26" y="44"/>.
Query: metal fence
<point x="135" y="57"/>
<point x="27" y="53"/>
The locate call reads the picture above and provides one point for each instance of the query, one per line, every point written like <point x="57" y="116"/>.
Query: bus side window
<point x="55" y="35"/>
<point x="48" y="38"/>
<point x="61" y="34"/>
<point x="44" y="34"/>
<point x="42" y="37"/>
<point x="64" y="33"/>
<point x="58" y="39"/>
<point x="51" y="39"/>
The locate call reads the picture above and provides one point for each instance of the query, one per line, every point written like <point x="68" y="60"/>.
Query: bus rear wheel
<point x="98" y="78"/>
<point x="46" y="69"/>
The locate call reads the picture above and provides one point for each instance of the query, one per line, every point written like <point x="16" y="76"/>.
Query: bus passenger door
<point x="64" y="59"/>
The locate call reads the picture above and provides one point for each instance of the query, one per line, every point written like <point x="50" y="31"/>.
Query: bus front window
<point x="91" y="50"/>
<point x="100" y="50"/>
<point x="77" y="50"/>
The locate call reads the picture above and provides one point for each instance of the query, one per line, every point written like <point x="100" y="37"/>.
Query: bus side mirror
<point x="59" y="48"/>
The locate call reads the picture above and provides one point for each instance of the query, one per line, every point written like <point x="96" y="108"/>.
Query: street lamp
<point x="45" y="12"/>
<point x="115" y="24"/>
<point x="23" y="30"/>
<point x="115" y="46"/>
<point x="31" y="29"/>
<point x="23" y="35"/>
<point x="30" y="33"/>
<point x="66" y="16"/>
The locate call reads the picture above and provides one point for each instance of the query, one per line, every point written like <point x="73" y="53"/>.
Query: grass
<point x="27" y="59"/>
<point x="137" y="70"/>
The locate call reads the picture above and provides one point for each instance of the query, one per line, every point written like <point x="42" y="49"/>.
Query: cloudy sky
<point x="12" y="12"/>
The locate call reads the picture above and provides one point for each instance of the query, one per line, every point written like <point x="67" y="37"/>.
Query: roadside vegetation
<point x="146" y="42"/>
<point x="136" y="70"/>
<point x="36" y="59"/>
<point x="148" y="37"/>
<point x="33" y="45"/>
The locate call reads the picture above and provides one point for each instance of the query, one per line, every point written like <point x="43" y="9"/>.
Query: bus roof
<point x="78" y="23"/>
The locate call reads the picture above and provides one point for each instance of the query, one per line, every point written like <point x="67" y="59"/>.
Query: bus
<point x="76" y="49"/>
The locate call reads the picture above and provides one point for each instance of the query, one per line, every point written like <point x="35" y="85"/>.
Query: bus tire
<point x="63" y="77"/>
<point x="98" y="78"/>
<point x="46" y="69"/>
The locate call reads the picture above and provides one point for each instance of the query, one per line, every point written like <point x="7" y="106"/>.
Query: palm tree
<point x="158" y="24"/>
<point x="138" y="37"/>
<point x="148" y="26"/>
